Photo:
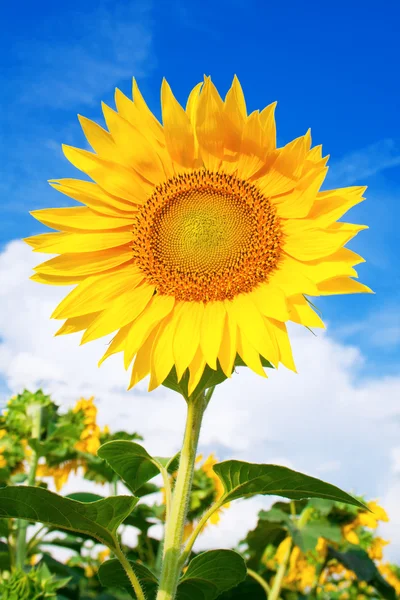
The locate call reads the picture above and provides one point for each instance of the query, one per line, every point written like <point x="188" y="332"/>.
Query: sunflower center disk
<point x="207" y="236"/>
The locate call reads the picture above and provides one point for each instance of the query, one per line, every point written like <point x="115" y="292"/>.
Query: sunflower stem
<point x="171" y="568"/>
<point x="35" y="413"/>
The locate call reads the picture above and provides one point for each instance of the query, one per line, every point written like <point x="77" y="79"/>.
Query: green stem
<point x="259" y="580"/>
<point x="35" y="412"/>
<point x="197" y="530"/>
<point x="130" y="573"/>
<point x="277" y="585"/>
<point x="180" y="501"/>
<point x="168" y="493"/>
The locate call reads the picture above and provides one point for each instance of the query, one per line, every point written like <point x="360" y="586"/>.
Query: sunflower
<point x="198" y="239"/>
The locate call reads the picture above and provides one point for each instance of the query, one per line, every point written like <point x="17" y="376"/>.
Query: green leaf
<point x="243" y="480"/>
<point x="306" y="537"/>
<point x="265" y="533"/>
<point x="130" y="461"/>
<point x="84" y="497"/>
<point x="210" y="574"/>
<point x="112" y="574"/>
<point x="171" y="464"/>
<point x="357" y="560"/>
<point x="98" y="519"/>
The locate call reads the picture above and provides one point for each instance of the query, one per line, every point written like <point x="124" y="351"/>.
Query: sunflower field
<point x="317" y="548"/>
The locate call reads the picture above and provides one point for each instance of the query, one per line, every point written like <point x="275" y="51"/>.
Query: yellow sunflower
<point x="199" y="238"/>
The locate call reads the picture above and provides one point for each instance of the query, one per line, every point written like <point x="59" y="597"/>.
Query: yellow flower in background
<point x="349" y="534"/>
<point x="390" y="576"/>
<point x="375" y="551"/>
<point x="301" y="573"/>
<point x="103" y="555"/>
<point x="207" y="467"/>
<point x="322" y="547"/>
<point x="90" y="436"/>
<point x="371" y="520"/>
<point x="198" y="238"/>
<point x="60" y="473"/>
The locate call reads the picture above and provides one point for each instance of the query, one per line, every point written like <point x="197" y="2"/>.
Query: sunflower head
<point x="197" y="239"/>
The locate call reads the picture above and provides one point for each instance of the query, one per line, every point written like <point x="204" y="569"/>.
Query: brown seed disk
<point x="205" y="236"/>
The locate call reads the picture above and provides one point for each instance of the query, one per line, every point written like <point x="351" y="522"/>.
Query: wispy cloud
<point x="106" y="46"/>
<point x="364" y="163"/>
<point x="380" y="330"/>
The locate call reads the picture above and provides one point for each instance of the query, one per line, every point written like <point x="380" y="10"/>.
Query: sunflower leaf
<point x="242" y="480"/>
<point x="130" y="461"/>
<point x="112" y="574"/>
<point x="210" y="574"/>
<point x="99" y="519"/>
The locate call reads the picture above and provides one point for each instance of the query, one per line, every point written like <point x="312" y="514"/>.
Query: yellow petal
<point x="285" y="350"/>
<point x="162" y="357"/>
<point x="122" y="311"/>
<point x="299" y="202"/>
<point x="92" y="195"/>
<point x="285" y="171"/>
<point x="210" y="126"/>
<point x="187" y="335"/>
<point x="97" y="292"/>
<point x="113" y="178"/>
<point x="227" y="351"/>
<point x="211" y="331"/>
<point x="337" y="264"/>
<point x="311" y="244"/>
<point x="342" y="285"/>
<point x="100" y="140"/>
<point x="290" y="279"/>
<point x="196" y="370"/>
<point x="87" y="263"/>
<point x="234" y="116"/>
<point x="56" y="279"/>
<point x="142" y="365"/>
<point x="117" y="344"/>
<point x="139" y="153"/>
<point x="80" y="218"/>
<point x="270" y="301"/>
<point x="301" y="312"/>
<point x="267" y="119"/>
<point x="252" y="153"/>
<point x="179" y="134"/>
<point x="331" y="206"/>
<point x="58" y="243"/>
<point x="76" y="324"/>
<point x="249" y="355"/>
<point x="251" y="323"/>
<point x="156" y="311"/>
<point x="146" y="113"/>
<point x="191" y="104"/>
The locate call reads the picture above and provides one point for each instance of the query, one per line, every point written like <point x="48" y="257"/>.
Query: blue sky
<point x="331" y="67"/>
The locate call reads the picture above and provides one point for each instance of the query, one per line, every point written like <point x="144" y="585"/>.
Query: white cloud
<point x="324" y="421"/>
<point x="361" y="164"/>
